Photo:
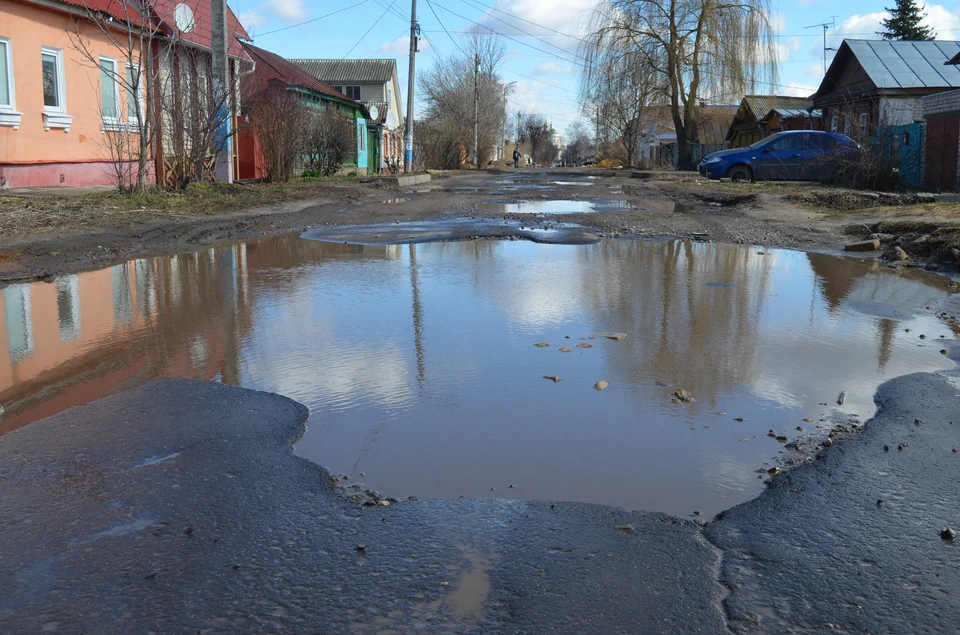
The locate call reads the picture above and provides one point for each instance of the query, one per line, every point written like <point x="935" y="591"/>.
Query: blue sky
<point x="541" y="60"/>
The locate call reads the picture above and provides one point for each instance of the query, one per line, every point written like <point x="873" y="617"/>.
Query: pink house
<point x="61" y="106"/>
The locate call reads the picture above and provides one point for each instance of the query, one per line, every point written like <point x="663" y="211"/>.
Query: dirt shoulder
<point x="48" y="235"/>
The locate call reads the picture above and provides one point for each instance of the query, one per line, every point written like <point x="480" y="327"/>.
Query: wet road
<point x="195" y="515"/>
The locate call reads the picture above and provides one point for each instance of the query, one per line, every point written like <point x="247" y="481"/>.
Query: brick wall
<point x="941" y="103"/>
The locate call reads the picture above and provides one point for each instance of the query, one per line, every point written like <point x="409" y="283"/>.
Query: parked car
<point x="795" y="155"/>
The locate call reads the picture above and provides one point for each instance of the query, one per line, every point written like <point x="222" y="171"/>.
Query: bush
<point x="330" y="141"/>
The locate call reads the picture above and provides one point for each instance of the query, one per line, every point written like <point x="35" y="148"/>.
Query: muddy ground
<point x="44" y="237"/>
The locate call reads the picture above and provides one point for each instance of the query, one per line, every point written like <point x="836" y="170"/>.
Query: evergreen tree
<point x="904" y="23"/>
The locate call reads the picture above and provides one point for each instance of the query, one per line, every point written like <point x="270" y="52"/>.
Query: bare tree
<point x="624" y="87"/>
<point x="194" y="120"/>
<point x="579" y="143"/>
<point x="700" y="49"/>
<point x="329" y="140"/>
<point x="537" y="131"/>
<point x="448" y="90"/>
<point x="128" y="82"/>
<point x="280" y="123"/>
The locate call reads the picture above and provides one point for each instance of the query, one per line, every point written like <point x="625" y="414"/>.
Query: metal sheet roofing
<point x="349" y="71"/>
<point x="907" y="64"/>
<point x="292" y="74"/>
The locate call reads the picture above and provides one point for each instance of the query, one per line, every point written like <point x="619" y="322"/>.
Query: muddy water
<point x="419" y="366"/>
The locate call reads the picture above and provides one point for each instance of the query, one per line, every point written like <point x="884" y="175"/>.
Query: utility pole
<point x="408" y="143"/>
<point x="825" y="26"/>
<point x="220" y="68"/>
<point x="476" y="110"/>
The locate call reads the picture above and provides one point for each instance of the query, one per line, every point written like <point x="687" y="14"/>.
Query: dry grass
<point x="34" y="215"/>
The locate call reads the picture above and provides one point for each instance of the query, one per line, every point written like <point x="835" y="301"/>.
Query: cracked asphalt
<point x="179" y="506"/>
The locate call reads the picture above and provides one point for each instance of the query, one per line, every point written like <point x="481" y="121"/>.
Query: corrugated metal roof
<point x="293" y="75"/>
<point x="349" y="71"/>
<point x="762" y="104"/>
<point x="907" y="64"/>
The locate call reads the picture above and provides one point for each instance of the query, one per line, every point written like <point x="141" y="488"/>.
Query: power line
<point x="366" y="32"/>
<point x="293" y="26"/>
<point x="443" y="26"/>
<point x="483" y="26"/>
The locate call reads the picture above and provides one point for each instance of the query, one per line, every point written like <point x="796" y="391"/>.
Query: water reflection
<point x="418" y="366"/>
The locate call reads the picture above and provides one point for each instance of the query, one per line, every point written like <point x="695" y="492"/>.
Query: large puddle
<point x="419" y="364"/>
<point x="586" y="207"/>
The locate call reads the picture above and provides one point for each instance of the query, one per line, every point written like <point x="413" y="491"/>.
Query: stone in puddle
<point x="600" y="385"/>
<point x="623" y="527"/>
<point x="565" y="349"/>
<point x="682" y="396"/>
<point x="553" y="378"/>
<point x="900" y="254"/>
<point x="542" y="344"/>
<point x="610" y="335"/>
<point x="863" y="245"/>
<point x="948" y="534"/>
<point x="584" y="345"/>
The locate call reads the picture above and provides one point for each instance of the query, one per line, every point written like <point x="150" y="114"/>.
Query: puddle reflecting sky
<point x="419" y="366"/>
<point x="584" y="207"/>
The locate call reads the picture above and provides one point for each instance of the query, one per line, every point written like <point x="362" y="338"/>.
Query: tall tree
<point x="448" y="90"/>
<point x="702" y="50"/>
<point x="623" y="87"/>
<point x="904" y="23"/>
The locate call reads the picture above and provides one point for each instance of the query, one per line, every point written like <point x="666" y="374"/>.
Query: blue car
<point x="796" y="155"/>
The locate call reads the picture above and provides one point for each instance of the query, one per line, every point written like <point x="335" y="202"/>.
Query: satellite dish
<point x="392" y="120"/>
<point x="183" y="17"/>
<point x="374" y="113"/>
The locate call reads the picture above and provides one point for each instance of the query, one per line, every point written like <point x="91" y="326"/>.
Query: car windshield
<point x="763" y="142"/>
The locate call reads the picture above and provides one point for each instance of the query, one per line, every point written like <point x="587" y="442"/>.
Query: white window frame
<point x="132" y="123"/>
<point x="110" y="123"/>
<point x="8" y="112"/>
<point x="864" y="121"/>
<point x="834" y="124"/>
<point x="56" y="116"/>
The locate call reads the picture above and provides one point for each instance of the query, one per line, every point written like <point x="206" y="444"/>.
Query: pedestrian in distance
<point x="516" y="158"/>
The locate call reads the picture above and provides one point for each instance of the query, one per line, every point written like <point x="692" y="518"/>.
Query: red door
<point x="247" y="152"/>
<point x="943" y="140"/>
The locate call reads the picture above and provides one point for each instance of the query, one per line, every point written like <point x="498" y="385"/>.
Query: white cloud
<point x="778" y="22"/>
<point x="550" y="68"/>
<point x="550" y="13"/>
<point x="815" y="71"/>
<point x="287" y="9"/>
<point x="401" y="46"/>
<point x="796" y="89"/>
<point x="945" y="22"/>
<point x="251" y="19"/>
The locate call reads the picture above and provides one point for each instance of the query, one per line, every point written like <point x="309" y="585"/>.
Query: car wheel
<point x="740" y="174"/>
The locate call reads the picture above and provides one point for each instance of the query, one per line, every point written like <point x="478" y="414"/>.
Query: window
<point x="789" y="143"/>
<point x="6" y="74"/>
<point x="389" y="96"/>
<point x="109" y="101"/>
<point x="134" y="92"/>
<point x="19" y="321"/>
<point x="54" y="92"/>
<point x="353" y="92"/>
<point x="864" y="121"/>
<point x="8" y="101"/>
<point x="361" y="133"/>
<point x="833" y="124"/>
<point x="846" y="126"/>
<point x="52" y="64"/>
